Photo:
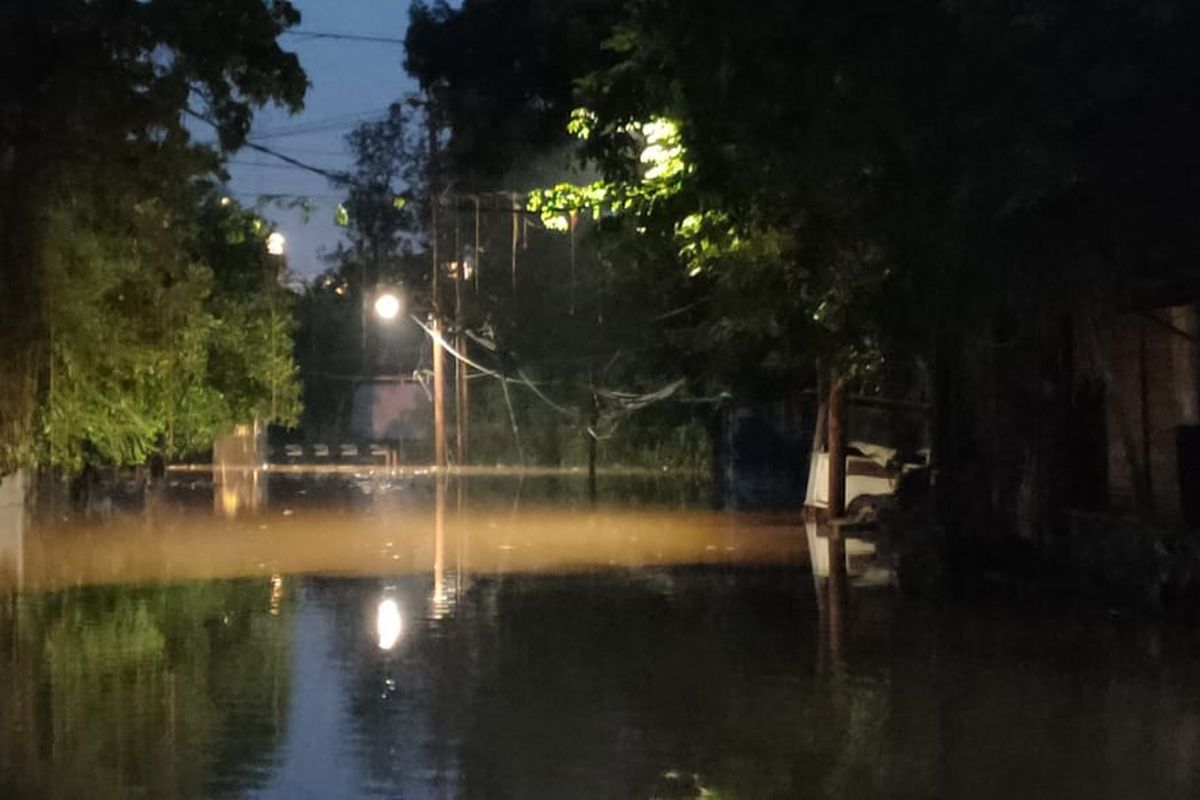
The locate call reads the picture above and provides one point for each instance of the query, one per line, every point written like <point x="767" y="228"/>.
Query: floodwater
<point x="358" y="638"/>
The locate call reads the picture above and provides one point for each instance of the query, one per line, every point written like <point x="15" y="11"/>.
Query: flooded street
<point x="360" y="639"/>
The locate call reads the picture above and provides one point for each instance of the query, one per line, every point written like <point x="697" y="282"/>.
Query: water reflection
<point x="406" y="648"/>
<point x="14" y="521"/>
<point x="388" y="624"/>
<point x="239" y="490"/>
<point x="167" y="691"/>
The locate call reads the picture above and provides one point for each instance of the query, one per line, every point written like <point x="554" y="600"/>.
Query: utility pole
<point x="461" y="410"/>
<point x="439" y="365"/>
<point x="460" y="344"/>
<point x="462" y="387"/>
<point x="836" y="431"/>
<point x="836" y="451"/>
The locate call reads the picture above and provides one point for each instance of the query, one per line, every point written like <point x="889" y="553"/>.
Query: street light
<point x="388" y="306"/>
<point x="276" y="243"/>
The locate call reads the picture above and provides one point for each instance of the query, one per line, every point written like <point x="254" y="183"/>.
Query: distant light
<point x="387" y="623"/>
<point x="387" y="306"/>
<point x="276" y="243"/>
<point x="225" y="200"/>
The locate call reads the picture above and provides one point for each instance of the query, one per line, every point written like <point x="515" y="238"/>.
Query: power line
<point x="268" y="165"/>
<point x="331" y="118"/>
<point x="308" y="151"/>
<point x="269" y="196"/>
<point x="348" y="37"/>
<point x="335" y="177"/>
<point x="320" y="125"/>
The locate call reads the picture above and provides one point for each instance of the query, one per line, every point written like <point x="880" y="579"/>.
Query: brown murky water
<point x="350" y="639"/>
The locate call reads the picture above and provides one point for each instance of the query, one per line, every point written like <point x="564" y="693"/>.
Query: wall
<point x="1150" y="366"/>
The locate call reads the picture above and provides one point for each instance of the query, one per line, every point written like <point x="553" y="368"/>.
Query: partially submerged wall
<point x="1149" y="365"/>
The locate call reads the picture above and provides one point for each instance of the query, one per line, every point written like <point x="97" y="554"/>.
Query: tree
<point x="166" y="327"/>
<point x="866" y="182"/>
<point x="502" y="73"/>
<point x="96" y="96"/>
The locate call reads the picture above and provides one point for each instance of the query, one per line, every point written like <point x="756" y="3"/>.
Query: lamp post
<point x="462" y="272"/>
<point x="276" y="246"/>
<point x="388" y="305"/>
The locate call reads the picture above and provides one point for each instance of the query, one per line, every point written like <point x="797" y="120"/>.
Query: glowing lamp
<point x="387" y="306"/>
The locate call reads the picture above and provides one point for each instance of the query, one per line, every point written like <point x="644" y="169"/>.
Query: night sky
<point x="350" y="82"/>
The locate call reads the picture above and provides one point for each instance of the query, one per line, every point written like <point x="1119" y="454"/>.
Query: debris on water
<point x="287" y="512"/>
<point x="676" y="785"/>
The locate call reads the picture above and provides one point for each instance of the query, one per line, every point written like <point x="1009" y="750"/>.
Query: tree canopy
<point x="896" y="192"/>
<point x="122" y="283"/>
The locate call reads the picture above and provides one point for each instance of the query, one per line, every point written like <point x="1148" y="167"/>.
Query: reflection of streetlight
<point x="387" y="623"/>
<point x="276" y="243"/>
<point x="387" y="306"/>
<point x="276" y="593"/>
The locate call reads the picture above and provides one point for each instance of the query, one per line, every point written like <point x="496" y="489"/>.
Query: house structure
<point x="1145" y="365"/>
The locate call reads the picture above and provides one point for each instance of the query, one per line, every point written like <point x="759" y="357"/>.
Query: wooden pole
<point x="836" y="430"/>
<point x="593" y="423"/>
<point x="439" y="366"/>
<point x="439" y="396"/>
<point x="478" y="251"/>
<point x="515" y="225"/>
<point x="572" y="219"/>
<point x="460" y="370"/>
<point x="1147" y="476"/>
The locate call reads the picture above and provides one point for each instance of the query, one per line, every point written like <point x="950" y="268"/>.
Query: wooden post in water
<point x="836" y="432"/>
<point x="460" y="366"/>
<point x="439" y="396"/>
<point x="593" y="423"/>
